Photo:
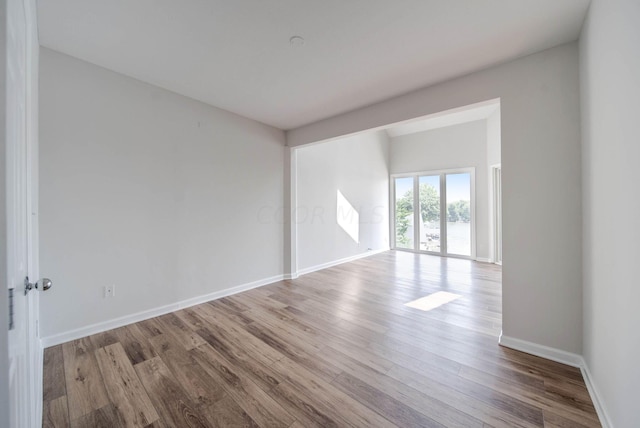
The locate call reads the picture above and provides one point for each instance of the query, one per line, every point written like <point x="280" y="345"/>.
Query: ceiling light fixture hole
<point x="296" y="41"/>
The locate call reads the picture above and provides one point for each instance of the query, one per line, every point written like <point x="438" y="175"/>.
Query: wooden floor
<point x="333" y="348"/>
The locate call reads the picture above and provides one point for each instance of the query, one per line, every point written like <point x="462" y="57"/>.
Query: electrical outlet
<point x="109" y="290"/>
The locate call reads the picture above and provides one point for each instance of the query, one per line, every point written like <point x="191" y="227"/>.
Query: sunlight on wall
<point x="348" y="218"/>
<point x="433" y="301"/>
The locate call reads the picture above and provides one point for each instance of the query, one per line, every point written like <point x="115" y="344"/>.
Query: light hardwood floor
<point x="336" y="347"/>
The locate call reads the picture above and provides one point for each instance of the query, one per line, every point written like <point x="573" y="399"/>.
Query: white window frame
<point x="443" y="208"/>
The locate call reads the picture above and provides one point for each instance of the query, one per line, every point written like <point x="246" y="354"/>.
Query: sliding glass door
<point x="404" y="212"/>
<point x="430" y="210"/>
<point x="433" y="212"/>
<point x="459" y="213"/>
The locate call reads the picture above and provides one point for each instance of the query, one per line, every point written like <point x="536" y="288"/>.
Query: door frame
<point x="443" y="208"/>
<point x="36" y="353"/>
<point x="496" y="213"/>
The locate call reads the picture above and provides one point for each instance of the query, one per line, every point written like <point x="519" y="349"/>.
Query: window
<point x="434" y="212"/>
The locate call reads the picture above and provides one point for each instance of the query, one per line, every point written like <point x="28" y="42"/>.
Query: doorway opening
<point x="441" y="164"/>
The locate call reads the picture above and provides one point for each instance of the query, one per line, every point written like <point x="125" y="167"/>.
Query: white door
<point x="24" y="348"/>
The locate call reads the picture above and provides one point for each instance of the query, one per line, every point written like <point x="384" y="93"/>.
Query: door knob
<point x="44" y="284"/>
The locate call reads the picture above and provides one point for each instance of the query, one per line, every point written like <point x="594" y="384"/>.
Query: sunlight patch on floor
<point x="433" y="301"/>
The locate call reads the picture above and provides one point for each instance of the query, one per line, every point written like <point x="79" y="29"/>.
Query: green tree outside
<point x="429" y="211"/>
<point x="462" y="211"/>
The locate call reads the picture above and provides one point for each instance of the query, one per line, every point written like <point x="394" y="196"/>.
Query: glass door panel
<point x="404" y="212"/>
<point x="429" y="189"/>
<point x="458" y="199"/>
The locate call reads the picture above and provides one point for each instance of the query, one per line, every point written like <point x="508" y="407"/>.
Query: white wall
<point x="610" y="85"/>
<point x="542" y="244"/>
<point x="357" y="167"/>
<point x="456" y="146"/>
<point x="148" y="190"/>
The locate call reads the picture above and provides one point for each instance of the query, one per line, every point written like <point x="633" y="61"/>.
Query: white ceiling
<point x="236" y="55"/>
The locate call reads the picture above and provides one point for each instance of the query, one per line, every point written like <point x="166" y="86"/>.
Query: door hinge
<point x="11" y="309"/>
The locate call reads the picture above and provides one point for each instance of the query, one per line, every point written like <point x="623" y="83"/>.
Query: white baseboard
<point x="568" y="358"/>
<point x="153" y="312"/>
<point x="547" y="352"/>
<point x="605" y="420"/>
<point x="338" y="262"/>
<point x="483" y="260"/>
<point x="290" y="276"/>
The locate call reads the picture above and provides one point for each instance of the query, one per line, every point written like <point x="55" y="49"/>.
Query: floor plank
<point x="199" y="386"/>
<point x="394" y="410"/>
<point x="85" y="387"/>
<point x="53" y="380"/>
<point x="256" y="402"/>
<point x="227" y="414"/>
<point x="124" y="387"/>
<point x="55" y="413"/>
<point x="135" y="343"/>
<point x="340" y="403"/>
<point x="174" y="326"/>
<point x="168" y="397"/>
<point x="104" y="417"/>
